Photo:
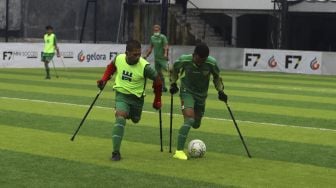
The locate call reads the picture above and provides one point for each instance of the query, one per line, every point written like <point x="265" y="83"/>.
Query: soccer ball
<point x="196" y="148"/>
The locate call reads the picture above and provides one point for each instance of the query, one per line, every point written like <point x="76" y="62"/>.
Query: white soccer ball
<point x="196" y="148"/>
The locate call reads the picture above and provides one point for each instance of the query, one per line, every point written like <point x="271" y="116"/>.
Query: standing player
<point x="159" y="42"/>
<point x="130" y="83"/>
<point x="50" y="46"/>
<point x="197" y="68"/>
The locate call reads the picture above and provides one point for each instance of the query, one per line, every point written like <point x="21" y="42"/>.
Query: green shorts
<point x="190" y="101"/>
<point x="47" y="57"/>
<point x="161" y="65"/>
<point x="130" y="104"/>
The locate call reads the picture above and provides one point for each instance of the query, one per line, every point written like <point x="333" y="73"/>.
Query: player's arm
<point x="218" y="82"/>
<point x="56" y="47"/>
<point x="157" y="85"/>
<point x="109" y="71"/>
<point x="174" y="75"/>
<point x="148" y="51"/>
<point x="165" y="47"/>
<point x="175" y="70"/>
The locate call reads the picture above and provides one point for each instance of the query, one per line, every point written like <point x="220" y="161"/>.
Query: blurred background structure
<point x="268" y="24"/>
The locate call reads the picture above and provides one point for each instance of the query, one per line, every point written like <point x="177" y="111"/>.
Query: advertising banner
<point x="282" y="61"/>
<point x="28" y="55"/>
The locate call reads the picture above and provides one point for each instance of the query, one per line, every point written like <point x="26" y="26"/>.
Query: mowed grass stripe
<point x="257" y="93"/>
<point x="287" y="111"/>
<point x="166" y="99"/>
<point x="106" y="99"/>
<point x="225" y="73"/>
<point x="281" y="88"/>
<point x="269" y="93"/>
<point x="27" y="105"/>
<point x="298" y="94"/>
<point x="48" y="89"/>
<point x="97" y="74"/>
<point x="91" y="90"/>
<point x="212" y="94"/>
<point x="81" y="70"/>
<point x="90" y="85"/>
<point x="69" y="122"/>
<point x="279" y="81"/>
<point x="252" y="114"/>
<point x="67" y="173"/>
<point x="93" y="151"/>
<point x="260" y="147"/>
<point x="289" y="97"/>
<point x="84" y="84"/>
<point x="62" y="74"/>
<point x="48" y="83"/>
<point x="290" y="91"/>
<point x="283" y="103"/>
<point x="63" y="89"/>
<point x="38" y="79"/>
<point x="63" y="85"/>
<point x="280" y="75"/>
<point x="99" y="70"/>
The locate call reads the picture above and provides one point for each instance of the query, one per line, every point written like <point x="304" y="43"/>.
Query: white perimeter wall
<point x="28" y="55"/>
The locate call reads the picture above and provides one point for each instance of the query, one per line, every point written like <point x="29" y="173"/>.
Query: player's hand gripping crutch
<point x="223" y="97"/>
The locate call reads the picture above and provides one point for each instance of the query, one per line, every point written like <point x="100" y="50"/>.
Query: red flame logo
<point x="314" y="64"/>
<point x="81" y="56"/>
<point x="272" y="62"/>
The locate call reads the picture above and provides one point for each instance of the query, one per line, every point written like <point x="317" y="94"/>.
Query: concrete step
<point x="200" y="28"/>
<point x="194" y="19"/>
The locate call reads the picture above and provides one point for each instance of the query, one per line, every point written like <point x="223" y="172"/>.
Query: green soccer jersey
<point x="195" y="79"/>
<point x="159" y="42"/>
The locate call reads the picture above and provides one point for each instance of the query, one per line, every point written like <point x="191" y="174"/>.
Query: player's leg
<point x="136" y="109"/>
<point x="199" y="109"/>
<point x="187" y="104"/>
<point x="46" y="65"/>
<point x="122" y="111"/>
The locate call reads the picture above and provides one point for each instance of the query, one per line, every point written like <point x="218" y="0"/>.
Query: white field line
<point x="150" y="112"/>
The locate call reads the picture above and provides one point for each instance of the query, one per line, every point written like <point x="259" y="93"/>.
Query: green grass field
<point x="288" y="122"/>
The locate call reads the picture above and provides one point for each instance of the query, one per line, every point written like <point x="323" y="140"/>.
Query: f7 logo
<point x="113" y="54"/>
<point x="7" y="55"/>
<point x="291" y="59"/>
<point x="252" y="58"/>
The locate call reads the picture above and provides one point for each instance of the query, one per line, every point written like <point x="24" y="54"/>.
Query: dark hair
<point x="48" y="27"/>
<point x="202" y="50"/>
<point x="132" y="44"/>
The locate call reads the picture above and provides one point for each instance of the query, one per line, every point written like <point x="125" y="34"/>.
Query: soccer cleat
<point x="116" y="156"/>
<point x="47" y="77"/>
<point x="179" y="154"/>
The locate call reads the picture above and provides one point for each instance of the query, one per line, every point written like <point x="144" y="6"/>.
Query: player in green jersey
<point x="159" y="43"/>
<point x="131" y="72"/>
<point x="196" y="70"/>
<point x="50" y="46"/>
